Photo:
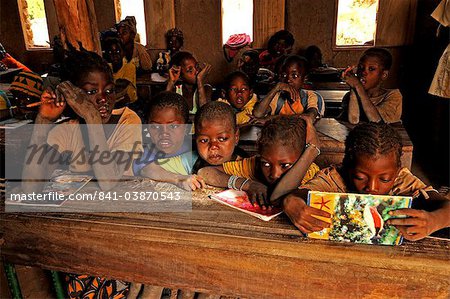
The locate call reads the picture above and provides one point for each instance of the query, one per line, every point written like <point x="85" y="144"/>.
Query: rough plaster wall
<point x="200" y="22"/>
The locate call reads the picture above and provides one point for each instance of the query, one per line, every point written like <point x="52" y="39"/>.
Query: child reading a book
<point x="185" y="67"/>
<point x="99" y="130"/>
<point x="169" y="157"/>
<point x="372" y="165"/>
<point x="280" y="146"/>
<point x="367" y="99"/>
<point x="240" y="96"/>
<point x="288" y="97"/>
<point x="124" y="72"/>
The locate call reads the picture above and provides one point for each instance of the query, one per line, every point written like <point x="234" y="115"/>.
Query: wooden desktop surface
<point x="218" y="250"/>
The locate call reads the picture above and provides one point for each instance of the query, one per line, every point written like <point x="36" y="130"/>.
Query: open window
<point x="366" y="23"/>
<point x="356" y="23"/>
<point x="134" y="8"/>
<point x="34" y="23"/>
<point x="237" y="17"/>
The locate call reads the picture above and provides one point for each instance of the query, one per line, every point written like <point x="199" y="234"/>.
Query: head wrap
<point x="29" y="83"/>
<point x="130" y="22"/>
<point x="174" y="32"/>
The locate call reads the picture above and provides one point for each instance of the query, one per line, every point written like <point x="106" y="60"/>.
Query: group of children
<point x="283" y="170"/>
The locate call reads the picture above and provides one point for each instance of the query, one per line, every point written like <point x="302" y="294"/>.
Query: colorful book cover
<point x="239" y="200"/>
<point x="359" y="218"/>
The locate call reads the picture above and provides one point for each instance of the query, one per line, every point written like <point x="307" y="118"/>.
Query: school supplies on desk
<point x="239" y="200"/>
<point x="359" y="218"/>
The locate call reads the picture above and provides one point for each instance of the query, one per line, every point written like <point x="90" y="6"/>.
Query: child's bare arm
<point x="368" y="107"/>
<point x="174" y="75"/>
<point x="204" y="91"/>
<point x="353" y="108"/>
<point x="35" y="171"/>
<point x="216" y="176"/>
<point x="262" y="108"/>
<point x="421" y="223"/>
<point x="292" y="178"/>
<point x="187" y="182"/>
<point x="302" y="215"/>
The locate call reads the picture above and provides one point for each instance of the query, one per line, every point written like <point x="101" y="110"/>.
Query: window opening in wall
<point x="134" y="8"/>
<point x="356" y="22"/>
<point x="34" y="23"/>
<point x="237" y="17"/>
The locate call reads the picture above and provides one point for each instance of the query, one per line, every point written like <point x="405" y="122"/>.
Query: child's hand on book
<point x="257" y="194"/>
<point x="304" y="216"/>
<point x="416" y="226"/>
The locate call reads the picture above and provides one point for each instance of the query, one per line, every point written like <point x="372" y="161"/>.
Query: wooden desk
<point x="332" y="134"/>
<point x="219" y="250"/>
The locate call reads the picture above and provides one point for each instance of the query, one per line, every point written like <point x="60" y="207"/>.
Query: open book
<point x="359" y="218"/>
<point x="239" y="200"/>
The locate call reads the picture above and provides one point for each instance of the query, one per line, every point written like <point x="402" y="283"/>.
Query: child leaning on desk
<point x="216" y="139"/>
<point x="372" y="165"/>
<point x="281" y="146"/>
<point x="367" y="99"/>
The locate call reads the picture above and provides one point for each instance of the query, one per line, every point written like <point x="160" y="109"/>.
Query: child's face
<point x="189" y="71"/>
<point x="276" y="160"/>
<point x="125" y="35"/>
<point x="371" y="72"/>
<point x="100" y="91"/>
<point x="281" y="48"/>
<point x="167" y="129"/>
<point x="216" y="140"/>
<point x="374" y="175"/>
<point x="173" y="44"/>
<point x="115" y="54"/>
<point x="239" y="93"/>
<point x="293" y="74"/>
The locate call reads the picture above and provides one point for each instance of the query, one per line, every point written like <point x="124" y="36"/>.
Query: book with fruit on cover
<point x="359" y="218"/>
<point x="239" y="200"/>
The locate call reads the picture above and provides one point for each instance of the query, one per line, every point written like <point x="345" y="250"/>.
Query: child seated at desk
<point x="169" y="133"/>
<point x="216" y="140"/>
<point x="367" y="100"/>
<point x="288" y="97"/>
<point x="240" y="96"/>
<point x="371" y="165"/>
<point x="185" y="67"/>
<point x="280" y="146"/>
<point x="89" y="92"/>
<point x="124" y="72"/>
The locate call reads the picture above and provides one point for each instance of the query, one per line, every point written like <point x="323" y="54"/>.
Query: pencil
<point x="39" y="103"/>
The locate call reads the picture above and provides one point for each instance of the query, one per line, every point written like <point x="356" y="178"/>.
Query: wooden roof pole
<point x="77" y="23"/>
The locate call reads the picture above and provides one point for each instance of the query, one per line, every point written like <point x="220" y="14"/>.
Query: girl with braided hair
<point x="372" y="165"/>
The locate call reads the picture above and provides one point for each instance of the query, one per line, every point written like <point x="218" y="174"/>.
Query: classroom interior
<point x="404" y="27"/>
